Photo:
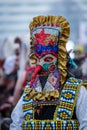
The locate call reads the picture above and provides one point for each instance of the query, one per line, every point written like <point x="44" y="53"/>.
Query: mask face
<point x="45" y="42"/>
<point x="48" y="62"/>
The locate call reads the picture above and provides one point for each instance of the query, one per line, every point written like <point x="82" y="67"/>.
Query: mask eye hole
<point x="48" y="59"/>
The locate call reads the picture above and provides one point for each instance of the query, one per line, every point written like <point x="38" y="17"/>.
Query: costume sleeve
<point x="17" y="116"/>
<point x="81" y="108"/>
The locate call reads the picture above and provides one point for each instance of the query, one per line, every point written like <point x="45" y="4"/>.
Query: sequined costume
<point x="49" y="101"/>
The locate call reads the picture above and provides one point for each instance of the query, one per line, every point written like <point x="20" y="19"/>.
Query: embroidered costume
<point x="51" y="100"/>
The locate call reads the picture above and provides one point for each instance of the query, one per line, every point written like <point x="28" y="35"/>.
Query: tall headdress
<point x="50" y="33"/>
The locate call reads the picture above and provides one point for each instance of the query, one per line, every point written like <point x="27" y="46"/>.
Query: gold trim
<point x="64" y="34"/>
<point x="31" y="93"/>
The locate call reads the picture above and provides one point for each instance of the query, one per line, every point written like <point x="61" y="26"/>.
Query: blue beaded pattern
<point x="67" y="99"/>
<point x="51" y="125"/>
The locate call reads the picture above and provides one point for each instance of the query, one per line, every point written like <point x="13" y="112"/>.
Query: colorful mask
<point x="45" y="40"/>
<point x="49" y="35"/>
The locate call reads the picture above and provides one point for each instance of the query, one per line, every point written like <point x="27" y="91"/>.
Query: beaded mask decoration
<point x="49" y="35"/>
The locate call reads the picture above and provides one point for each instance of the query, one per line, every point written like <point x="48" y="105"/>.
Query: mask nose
<point x="37" y="69"/>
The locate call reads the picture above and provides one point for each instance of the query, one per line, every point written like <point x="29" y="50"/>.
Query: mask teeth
<point x="37" y="69"/>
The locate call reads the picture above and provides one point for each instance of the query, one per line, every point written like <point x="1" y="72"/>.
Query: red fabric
<point x="28" y="70"/>
<point x="37" y="69"/>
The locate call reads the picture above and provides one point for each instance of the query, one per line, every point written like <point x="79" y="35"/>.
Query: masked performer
<point x="52" y="100"/>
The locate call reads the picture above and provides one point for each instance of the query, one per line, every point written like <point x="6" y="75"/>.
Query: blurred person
<point x="80" y="59"/>
<point x="74" y="68"/>
<point x="8" y="77"/>
<point x="24" y="73"/>
<point x="52" y="99"/>
<point x="10" y="64"/>
<point x="20" y="84"/>
<point x="23" y="54"/>
<point x="76" y="71"/>
<point x="11" y="67"/>
<point x="4" y="105"/>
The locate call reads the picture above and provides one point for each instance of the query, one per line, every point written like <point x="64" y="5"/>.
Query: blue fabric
<point x="39" y="48"/>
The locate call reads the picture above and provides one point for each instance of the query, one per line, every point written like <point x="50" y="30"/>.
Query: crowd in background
<point x="16" y="70"/>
